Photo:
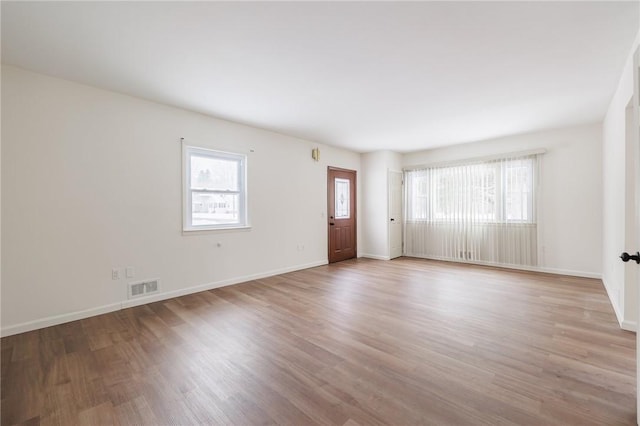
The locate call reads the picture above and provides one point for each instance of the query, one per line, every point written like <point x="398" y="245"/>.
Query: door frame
<point x="354" y="209"/>
<point x="635" y="126"/>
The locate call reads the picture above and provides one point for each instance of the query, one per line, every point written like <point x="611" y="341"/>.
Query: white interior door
<point x="394" y="180"/>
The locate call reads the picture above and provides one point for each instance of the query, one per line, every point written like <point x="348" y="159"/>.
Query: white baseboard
<point x="629" y="325"/>
<point x="58" y="319"/>
<point x="217" y="284"/>
<point x="614" y="302"/>
<point x="86" y="313"/>
<point x="375" y="256"/>
<point x="567" y="272"/>
<point x="624" y="324"/>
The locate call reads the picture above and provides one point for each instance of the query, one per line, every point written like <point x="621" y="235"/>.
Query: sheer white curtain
<point x="481" y="211"/>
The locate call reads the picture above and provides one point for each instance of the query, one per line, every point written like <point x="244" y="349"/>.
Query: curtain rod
<point x="476" y="159"/>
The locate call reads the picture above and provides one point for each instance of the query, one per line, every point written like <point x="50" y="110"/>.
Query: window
<point x="342" y="198"/>
<point x="215" y="194"/>
<point x="479" y="211"/>
<point x="498" y="191"/>
<point x="518" y="190"/>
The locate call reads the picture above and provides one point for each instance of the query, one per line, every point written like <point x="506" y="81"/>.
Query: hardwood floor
<point x="360" y="342"/>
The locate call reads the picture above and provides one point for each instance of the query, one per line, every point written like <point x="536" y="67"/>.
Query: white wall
<point x="374" y="207"/>
<point x="91" y="179"/>
<point x="617" y="197"/>
<point x="570" y="203"/>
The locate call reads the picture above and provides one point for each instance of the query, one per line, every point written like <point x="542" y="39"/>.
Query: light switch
<point x="131" y="272"/>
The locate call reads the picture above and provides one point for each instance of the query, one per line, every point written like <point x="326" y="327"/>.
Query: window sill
<point x="205" y="231"/>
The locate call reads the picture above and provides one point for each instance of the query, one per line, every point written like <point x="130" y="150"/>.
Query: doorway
<point x="341" y="213"/>
<point x="394" y="180"/>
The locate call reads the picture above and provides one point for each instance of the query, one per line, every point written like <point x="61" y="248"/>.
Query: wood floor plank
<point x="360" y="342"/>
<point x="102" y="414"/>
<point x="135" y="411"/>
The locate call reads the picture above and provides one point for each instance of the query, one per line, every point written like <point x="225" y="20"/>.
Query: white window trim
<point x="187" y="226"/>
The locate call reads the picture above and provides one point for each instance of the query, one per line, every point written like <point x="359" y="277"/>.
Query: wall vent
<point x="142" y="288"/>
<point x="151" y="286"/>
<point x="136" y="289"/>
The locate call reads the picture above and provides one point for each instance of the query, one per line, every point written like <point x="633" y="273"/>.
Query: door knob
<point x="627" y="257"/>
<point x="392" y="220"/>
<point x="331" y="223"/>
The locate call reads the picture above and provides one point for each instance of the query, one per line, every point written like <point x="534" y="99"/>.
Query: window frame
<point x="188" y="151"/>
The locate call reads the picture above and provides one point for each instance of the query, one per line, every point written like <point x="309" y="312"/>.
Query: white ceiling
<point x="361" y="75"/>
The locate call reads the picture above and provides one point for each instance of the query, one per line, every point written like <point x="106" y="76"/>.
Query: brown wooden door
<point x="341" y="191"/>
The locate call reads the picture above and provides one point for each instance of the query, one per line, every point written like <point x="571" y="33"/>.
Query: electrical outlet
<point x="115" y="274"/>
